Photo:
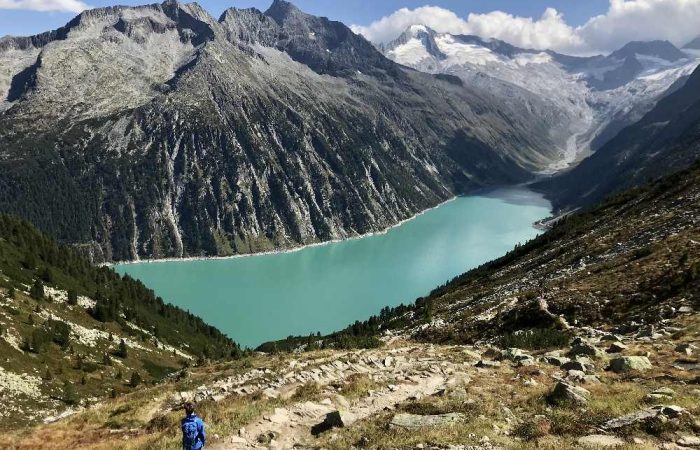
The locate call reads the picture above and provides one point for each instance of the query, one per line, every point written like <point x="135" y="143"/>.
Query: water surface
<point x="324" y="288"/>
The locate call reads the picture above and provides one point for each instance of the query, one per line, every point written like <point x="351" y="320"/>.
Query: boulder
<point x="565" y="393"/>
<point x="689" y="441"/>
<point x="576" y="376"/>
<point x="627" y="363"/>
<point x="339" y="419"/>
<point x="574" y="365"/>
<point x="600" y="441"/>
<point x="555" y="360"/>
<point x="616" y="347"/>
<point x="686" y="349"/>
<point x="584" y="349"/>
<point x="665" y="411"/>
<point x="414" y="421"/>
<point x="486" y="364"/>
<point x="610" y="337"/>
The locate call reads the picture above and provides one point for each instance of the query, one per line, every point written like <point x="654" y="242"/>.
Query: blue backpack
<point x="192" y="433"/>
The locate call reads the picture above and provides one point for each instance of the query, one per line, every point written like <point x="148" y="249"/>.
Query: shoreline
<point x="284" y="250"/>
<point x="478" y="192"/>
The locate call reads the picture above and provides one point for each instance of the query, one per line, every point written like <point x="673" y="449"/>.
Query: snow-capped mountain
<point x="588" y="99"/>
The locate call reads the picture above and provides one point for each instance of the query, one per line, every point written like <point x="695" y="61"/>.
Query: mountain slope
<point x="586" y="334"/>
<point x="664" y="140"/>
<point x="157" y="131"/>
<point x="71" y="332"/>
<point x="581" y="102"/>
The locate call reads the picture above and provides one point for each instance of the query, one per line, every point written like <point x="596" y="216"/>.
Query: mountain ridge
<point x="217" y="144"/>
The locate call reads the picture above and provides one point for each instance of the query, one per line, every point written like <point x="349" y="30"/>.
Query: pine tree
<point x="135" y="380"/>
<point x="37" y="290"/>
<point x="11" y="293"/>
<point x="123" y="350"/>
<point x="70" y="396"/>
<point x="72" y="297"/>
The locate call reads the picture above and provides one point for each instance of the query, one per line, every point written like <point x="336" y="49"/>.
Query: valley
<point x="260" y="298"/>
<point x="435" y="241"/>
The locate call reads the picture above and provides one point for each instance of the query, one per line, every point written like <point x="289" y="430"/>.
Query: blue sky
<point x="578" y="27"/>
<point x="359" y="12"/>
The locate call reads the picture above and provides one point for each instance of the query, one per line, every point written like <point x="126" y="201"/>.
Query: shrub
<point x="135" y="380"/>
<point x="535" y="339"/>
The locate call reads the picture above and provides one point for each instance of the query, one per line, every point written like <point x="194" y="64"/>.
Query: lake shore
<point x="282" y="250"/>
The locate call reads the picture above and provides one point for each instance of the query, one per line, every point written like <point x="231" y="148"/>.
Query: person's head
<point x="189" y="408"/>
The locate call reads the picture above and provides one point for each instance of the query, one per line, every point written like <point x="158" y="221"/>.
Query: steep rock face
<point x="157" y="131"/>
<point x="582" y="102"/>
<point x="664" y="140"/>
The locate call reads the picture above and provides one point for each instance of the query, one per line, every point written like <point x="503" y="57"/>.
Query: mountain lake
<point x="324" y="288"/>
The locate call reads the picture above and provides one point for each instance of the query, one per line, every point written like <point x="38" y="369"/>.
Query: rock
<point x="664" y="391"/>
<point x="413" y="421"/>
<point x="685" y="310"/>
<point x="525" y="360"/>
<point x="565" y="393"/>
<point x="600" y="441"/>
<point x="555" y="360"/>
<point x="627" y="363"/>
<point x="686" y="349"/>
<point x="616" y="347"/>
<point x="266" y="437"/>
<point x="574" y="365"/>
<point x="610" y="337"/>
<point x="339" y="419"/>
<point x="667" y="411"/>
<point x="486" y="364"/>
<point x="689" y="441"/>
<point x="493" y="353"/>
<point x="584" y="349"/>
<point x="388" y="361"/>
<point x="576" y="376"/>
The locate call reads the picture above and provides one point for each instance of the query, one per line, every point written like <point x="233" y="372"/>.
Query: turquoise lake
<point x="325" y="288"/>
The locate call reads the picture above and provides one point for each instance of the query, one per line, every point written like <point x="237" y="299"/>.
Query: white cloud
<point x="45" y="5"/>
<point x="675" y="20"/>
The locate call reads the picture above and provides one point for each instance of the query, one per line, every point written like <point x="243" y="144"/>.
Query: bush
<point x="70" y="395"/>
<point x="59" y="332"/>
<point x="135" y="380"/>
<point x="37" y="290"/>
<point x="535" y="339"/>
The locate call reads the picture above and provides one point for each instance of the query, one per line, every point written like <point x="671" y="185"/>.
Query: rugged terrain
<point x="584" y="337"/>
<point x="73" y="334"/>
<point x="664" y="140"/>
<point x="159" y="131"/>
<point x="582" y="101"/>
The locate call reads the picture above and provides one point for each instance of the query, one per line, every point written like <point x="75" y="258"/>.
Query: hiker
<point x="193" y="436"/>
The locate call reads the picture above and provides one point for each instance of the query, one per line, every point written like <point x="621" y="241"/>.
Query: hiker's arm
<point x="202" y="434"/>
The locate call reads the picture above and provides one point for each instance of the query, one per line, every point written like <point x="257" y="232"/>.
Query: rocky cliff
<point x="158" y="131"/>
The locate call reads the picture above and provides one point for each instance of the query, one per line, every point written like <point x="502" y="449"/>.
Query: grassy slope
<point x="39" y="361"/>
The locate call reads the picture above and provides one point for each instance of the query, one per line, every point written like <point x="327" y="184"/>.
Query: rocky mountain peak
<point x="422" y="33"/>
<point x="657" y="49"/>
<point x="693" y="45"/>
<point x="282" y="10"/>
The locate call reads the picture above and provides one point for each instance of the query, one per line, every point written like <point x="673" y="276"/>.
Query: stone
<point x="493" y="353"/>
<point x="626" y="363"/>
<point x="555" y="360"/>
<point x="616" y="347"/>
<point x="564" y="393"/>
<point x="339" y="419"/>
<point x="686" y="349"/>
<point x="414" y="421"/>
<point x="486" y="364"/>
<point x="610" y="337"/>
<point x="664" y="391"/>
<point x="689" y="441"/>
<point x="576" y="376"/>
<point x="574" y="365"/>
<point x="584" y="349"/>
<point x="664" y="411"/>
<point x="600" y="441"/>
<point x="685" y="310"/>
<point x="388" y="361"/>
